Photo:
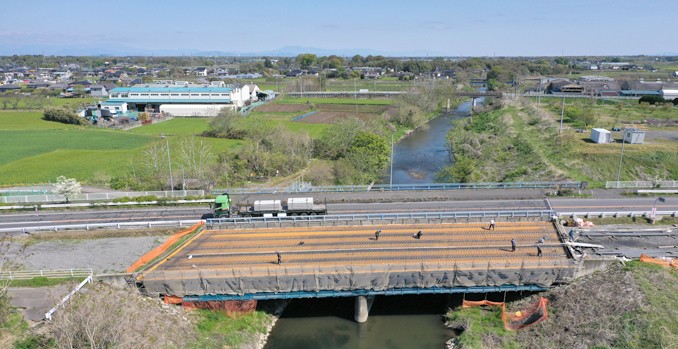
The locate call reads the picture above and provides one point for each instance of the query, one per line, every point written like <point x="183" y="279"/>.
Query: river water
<point x="395" y="322"/>
<point x="407" y="322"/>
<point x="417" y="158"/>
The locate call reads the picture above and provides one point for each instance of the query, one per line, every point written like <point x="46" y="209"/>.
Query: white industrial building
<point x="669" y="94"/>
<point x="178" y="99"/>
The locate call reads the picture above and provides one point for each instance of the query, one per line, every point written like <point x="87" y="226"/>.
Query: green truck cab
<point x="222" y="206"/>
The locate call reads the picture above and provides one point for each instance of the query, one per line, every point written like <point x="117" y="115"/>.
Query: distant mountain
<point x="121" y="50"/>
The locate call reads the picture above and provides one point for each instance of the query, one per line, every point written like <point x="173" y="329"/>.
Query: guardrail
<point x="122" y="225"/>
<point x="17" y="199"/>
<point x="587" y="214"/>
<point x="640" y="184"/>
<point x="108" y="204"/>
<point x="51" y="273"/>
<point x="382" y="216"/>
<point x="403" y="187"/>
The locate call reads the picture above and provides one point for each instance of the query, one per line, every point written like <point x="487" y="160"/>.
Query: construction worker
<point x="571" y="235"/>
<point x="418" y="235"/>
<point x="491" y="227"/>
<point x="541" y="240"/>
<point x="376" y="234"/>
<point x="538" y="250"/>
<point x="513" y="245"/>
<point x="279" y="257"/>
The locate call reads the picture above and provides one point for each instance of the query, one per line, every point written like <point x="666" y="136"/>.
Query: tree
<point x="68" y="187"/>
<point x="369" y="154"/>
<point x="306" y="60"/>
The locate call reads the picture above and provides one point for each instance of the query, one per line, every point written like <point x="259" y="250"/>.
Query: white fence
<point x="51" y="273"/>
<point x="98" y="196"/>
<point x="640" y="184"/>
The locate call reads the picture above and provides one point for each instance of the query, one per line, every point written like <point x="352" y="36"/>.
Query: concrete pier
<point x="363" y="304"/>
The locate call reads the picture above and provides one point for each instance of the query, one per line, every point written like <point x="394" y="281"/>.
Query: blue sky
<point x="423" y="27"/>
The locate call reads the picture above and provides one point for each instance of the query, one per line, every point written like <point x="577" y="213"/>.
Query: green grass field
<point x="28" y="120"/>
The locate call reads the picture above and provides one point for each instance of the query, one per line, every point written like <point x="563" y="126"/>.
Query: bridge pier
<point x="362" y="308"/>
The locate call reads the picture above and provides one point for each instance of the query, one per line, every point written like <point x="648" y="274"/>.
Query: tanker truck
<point x="223" y="207"/>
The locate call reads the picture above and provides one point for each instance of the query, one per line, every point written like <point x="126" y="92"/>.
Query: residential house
<point x="200" y="71"/>
<point x="9" y="87"/>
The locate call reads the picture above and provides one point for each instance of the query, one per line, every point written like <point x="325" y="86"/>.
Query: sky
<point x="348" y="27"/>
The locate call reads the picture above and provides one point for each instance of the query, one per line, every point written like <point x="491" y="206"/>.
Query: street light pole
<point x="169" y="161"/>
<point x="621" y="156"/>
<point x="653" y="214"/>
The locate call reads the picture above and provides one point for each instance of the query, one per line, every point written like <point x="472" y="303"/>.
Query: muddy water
<point x="407" y="322"/>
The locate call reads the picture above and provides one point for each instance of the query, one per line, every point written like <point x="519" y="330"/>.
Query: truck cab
<point x="222" y="206"/>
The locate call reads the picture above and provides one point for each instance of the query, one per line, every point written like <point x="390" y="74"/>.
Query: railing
<point x="601" y="214"/>
<point x="402" y="187"/>
<point x="48" y="315"/>
<point x="51" y="273"/>
<point x="98" y="196"/>
<point x="382" y="216"/>
<point x="123" y="225"/>
<point x="641" y="184"/>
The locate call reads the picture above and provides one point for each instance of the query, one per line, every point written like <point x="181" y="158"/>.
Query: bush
<point x="62" y="115"/>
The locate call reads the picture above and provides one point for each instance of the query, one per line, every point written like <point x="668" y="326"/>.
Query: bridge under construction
<point x="300" y="262"/>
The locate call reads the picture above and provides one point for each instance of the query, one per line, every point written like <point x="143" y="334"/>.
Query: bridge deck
<point x="320" y="257"/>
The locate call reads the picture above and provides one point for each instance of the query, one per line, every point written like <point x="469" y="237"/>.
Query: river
<point x="412" y="322"/>
<point x="418" y="157"/>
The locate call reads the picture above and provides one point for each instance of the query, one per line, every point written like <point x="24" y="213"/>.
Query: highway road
<point x="593" y="205"/>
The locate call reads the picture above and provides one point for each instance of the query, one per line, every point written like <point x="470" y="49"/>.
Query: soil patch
<point x="329" y="117"/>
<point x="283" y="108"/>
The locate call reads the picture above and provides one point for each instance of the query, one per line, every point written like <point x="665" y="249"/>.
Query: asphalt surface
<point x="599" y="201"/>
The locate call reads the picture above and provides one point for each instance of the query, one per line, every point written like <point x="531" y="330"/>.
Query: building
<point x="177" y="100"/>
<point x="634" y="136"/>
<point x="669" y="94"/>
<point x="601" y="135"/>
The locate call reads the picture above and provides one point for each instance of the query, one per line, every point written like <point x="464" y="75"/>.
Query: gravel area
<point x="104" y="255"/>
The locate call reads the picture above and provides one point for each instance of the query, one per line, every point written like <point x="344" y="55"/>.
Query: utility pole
<point x="621" y="156"/>
<point x="169" y="161"/>
<point x="391" y="177"/>
<point x="562" y="111"/>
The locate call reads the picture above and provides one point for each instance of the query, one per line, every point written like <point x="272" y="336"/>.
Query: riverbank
<point x="630" y="306"/>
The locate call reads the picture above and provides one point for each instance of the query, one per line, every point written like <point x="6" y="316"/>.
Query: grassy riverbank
<point x="522" y="142"/>
<point x="632" y="306"/>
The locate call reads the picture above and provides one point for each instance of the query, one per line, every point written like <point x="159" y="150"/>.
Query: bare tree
<point x="195" y="156"/>
<point x="105" y="317"/>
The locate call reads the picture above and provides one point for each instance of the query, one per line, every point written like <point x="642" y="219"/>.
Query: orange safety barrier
<point x="172" y="299"/>
<point x="536" y="313"/>
<point x="154" y="253"/>
<point x="673" y="263"/>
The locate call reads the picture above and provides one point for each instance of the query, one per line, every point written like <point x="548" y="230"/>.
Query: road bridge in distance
<point x="242" y="264"/>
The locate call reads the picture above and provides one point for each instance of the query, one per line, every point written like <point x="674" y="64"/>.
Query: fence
<point x="16" y="199"/>
<point x="123" y="225"/>
<point x="52" y="274"/>
<point x="402" y="187"/>
<point x="352" y="218"/>
<point x="640" y="184"/>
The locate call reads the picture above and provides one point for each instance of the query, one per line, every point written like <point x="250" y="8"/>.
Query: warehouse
<point x="179" y="100"/>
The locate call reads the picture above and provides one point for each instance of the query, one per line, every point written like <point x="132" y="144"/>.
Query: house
<point x="200" y="71"/>
<point x="38" y="84"/>
<point x="9" y="87"/>
<point x="563" y="86"/>
<point x="98" y="91"/>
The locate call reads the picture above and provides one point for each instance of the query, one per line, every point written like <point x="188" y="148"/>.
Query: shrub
<point x="62" y="115"/>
